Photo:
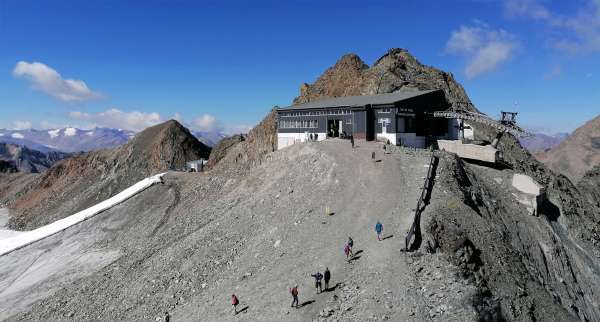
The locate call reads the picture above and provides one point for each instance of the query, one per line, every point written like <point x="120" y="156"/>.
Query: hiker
<point x="348" y="252"/>
<point x="316" y="136"/>
<point x="167" y="317"/>
<point x="294" y="292"/>
<point x="378" y="230"/>
<point x="234" y="302"/>
<point x="352" y="140"/>
<point x="350" y="243"/>
<point x="311" y="137"/>
<point x="318" y="277"/>
<point x="327" y="277"/>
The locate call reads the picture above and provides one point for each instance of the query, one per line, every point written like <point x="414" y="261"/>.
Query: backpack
<point x="294" y="291"/>
<point x="235" y="301"/>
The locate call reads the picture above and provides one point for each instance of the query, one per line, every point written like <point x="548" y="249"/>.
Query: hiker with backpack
<point x="327" y="277"/>
<point x="294" y="292"/>
<point x="378" y="230"/>
<point x="234" y="302"/>
<point x="318" y="277"/>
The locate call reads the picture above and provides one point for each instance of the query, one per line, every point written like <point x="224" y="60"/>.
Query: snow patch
<point x="90" y="133"/>
<point x="18" y="136"/>
<point x="26" y="238"/>
<point x="53" y="133"/>
<point x="70" y="131"/>
<point x="1" y="134"/>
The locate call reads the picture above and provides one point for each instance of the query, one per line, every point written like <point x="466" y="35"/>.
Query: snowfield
<point x="21" y="239"/>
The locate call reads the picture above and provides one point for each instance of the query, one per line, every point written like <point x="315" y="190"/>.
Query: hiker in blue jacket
<point x="378" y="230"/>
<point x="318" y="277"/>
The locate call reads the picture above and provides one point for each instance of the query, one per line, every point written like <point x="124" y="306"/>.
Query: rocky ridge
<point x="397" y="70"/>
<point x="27" y="160"/>
<point x="81" y="181"/>
<point x="577" y="154"/>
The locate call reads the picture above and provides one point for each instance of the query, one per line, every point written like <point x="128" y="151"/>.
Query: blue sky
<point x="221" y="65"/>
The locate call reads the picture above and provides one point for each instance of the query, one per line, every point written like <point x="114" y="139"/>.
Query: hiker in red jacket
<point x="234" y="302"/>
<point x="294" y="292"/>
<point x="348" y="252"/>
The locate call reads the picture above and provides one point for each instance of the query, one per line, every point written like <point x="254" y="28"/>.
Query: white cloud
<point x="574" y="33"/>
<point x="484" y="48"/>
<point x="70" y="131"/>
<point x="114" y="118"/>
<point x="21" y="125"/>
<point x="529" y="8"/>
<point x="53" y="133"/>
<point x="207" y="123"/>
<point x="47" y="80"/>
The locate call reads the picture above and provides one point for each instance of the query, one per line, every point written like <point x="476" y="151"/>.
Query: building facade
<point x="402" y="118"/>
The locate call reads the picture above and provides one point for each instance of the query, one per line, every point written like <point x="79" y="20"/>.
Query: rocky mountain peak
<point x="396" y="70"/>
<point x="576" y="154"/>
<point x="164" y="146"/>
<point x="86" y="179"/>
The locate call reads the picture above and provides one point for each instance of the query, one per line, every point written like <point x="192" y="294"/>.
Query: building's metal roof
<point x="362" y="100"/>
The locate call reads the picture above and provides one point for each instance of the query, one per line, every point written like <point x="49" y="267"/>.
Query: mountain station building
<point x="401" y="118"/>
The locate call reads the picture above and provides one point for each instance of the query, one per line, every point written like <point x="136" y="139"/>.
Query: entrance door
<point x="333" y="129"/>
<point x="384" y="124"/>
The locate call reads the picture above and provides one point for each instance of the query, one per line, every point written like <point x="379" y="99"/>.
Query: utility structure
<point x="480" y="152"/>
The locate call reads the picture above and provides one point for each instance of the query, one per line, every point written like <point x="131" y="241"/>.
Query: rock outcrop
<point x="81" y="181"/>
<point x="244" y="153"/>
<point x="397" y="70"/>
<point x="589" y="185"/>
<point x="577" y="154"/>
<point x="28" y="160"/>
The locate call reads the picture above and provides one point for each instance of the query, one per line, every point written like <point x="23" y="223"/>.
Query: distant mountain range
<point x="72" y="139"/>
<point x="68" y="139"/>
<point x="542" y="142"/>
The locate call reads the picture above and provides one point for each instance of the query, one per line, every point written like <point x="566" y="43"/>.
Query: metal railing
<point x="483" y="119"/>
<point x="427" y="184"/>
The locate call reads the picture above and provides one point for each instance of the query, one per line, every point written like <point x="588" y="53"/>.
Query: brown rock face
<point x="397" y="70"/>
<point x="79" y="182"/>
<point x="577" y="154"/>
<point x="232" y="154"/>
<point x="589" y="185"/>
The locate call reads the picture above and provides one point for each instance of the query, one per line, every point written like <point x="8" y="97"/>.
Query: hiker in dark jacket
<point x="327" y="277"/>
<point x="294" y="292"/>
<point x="318" y="277"/>
<point x="352" y="140"/>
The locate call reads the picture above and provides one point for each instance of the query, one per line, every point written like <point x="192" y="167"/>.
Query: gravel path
<point x="359" y="191"/>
